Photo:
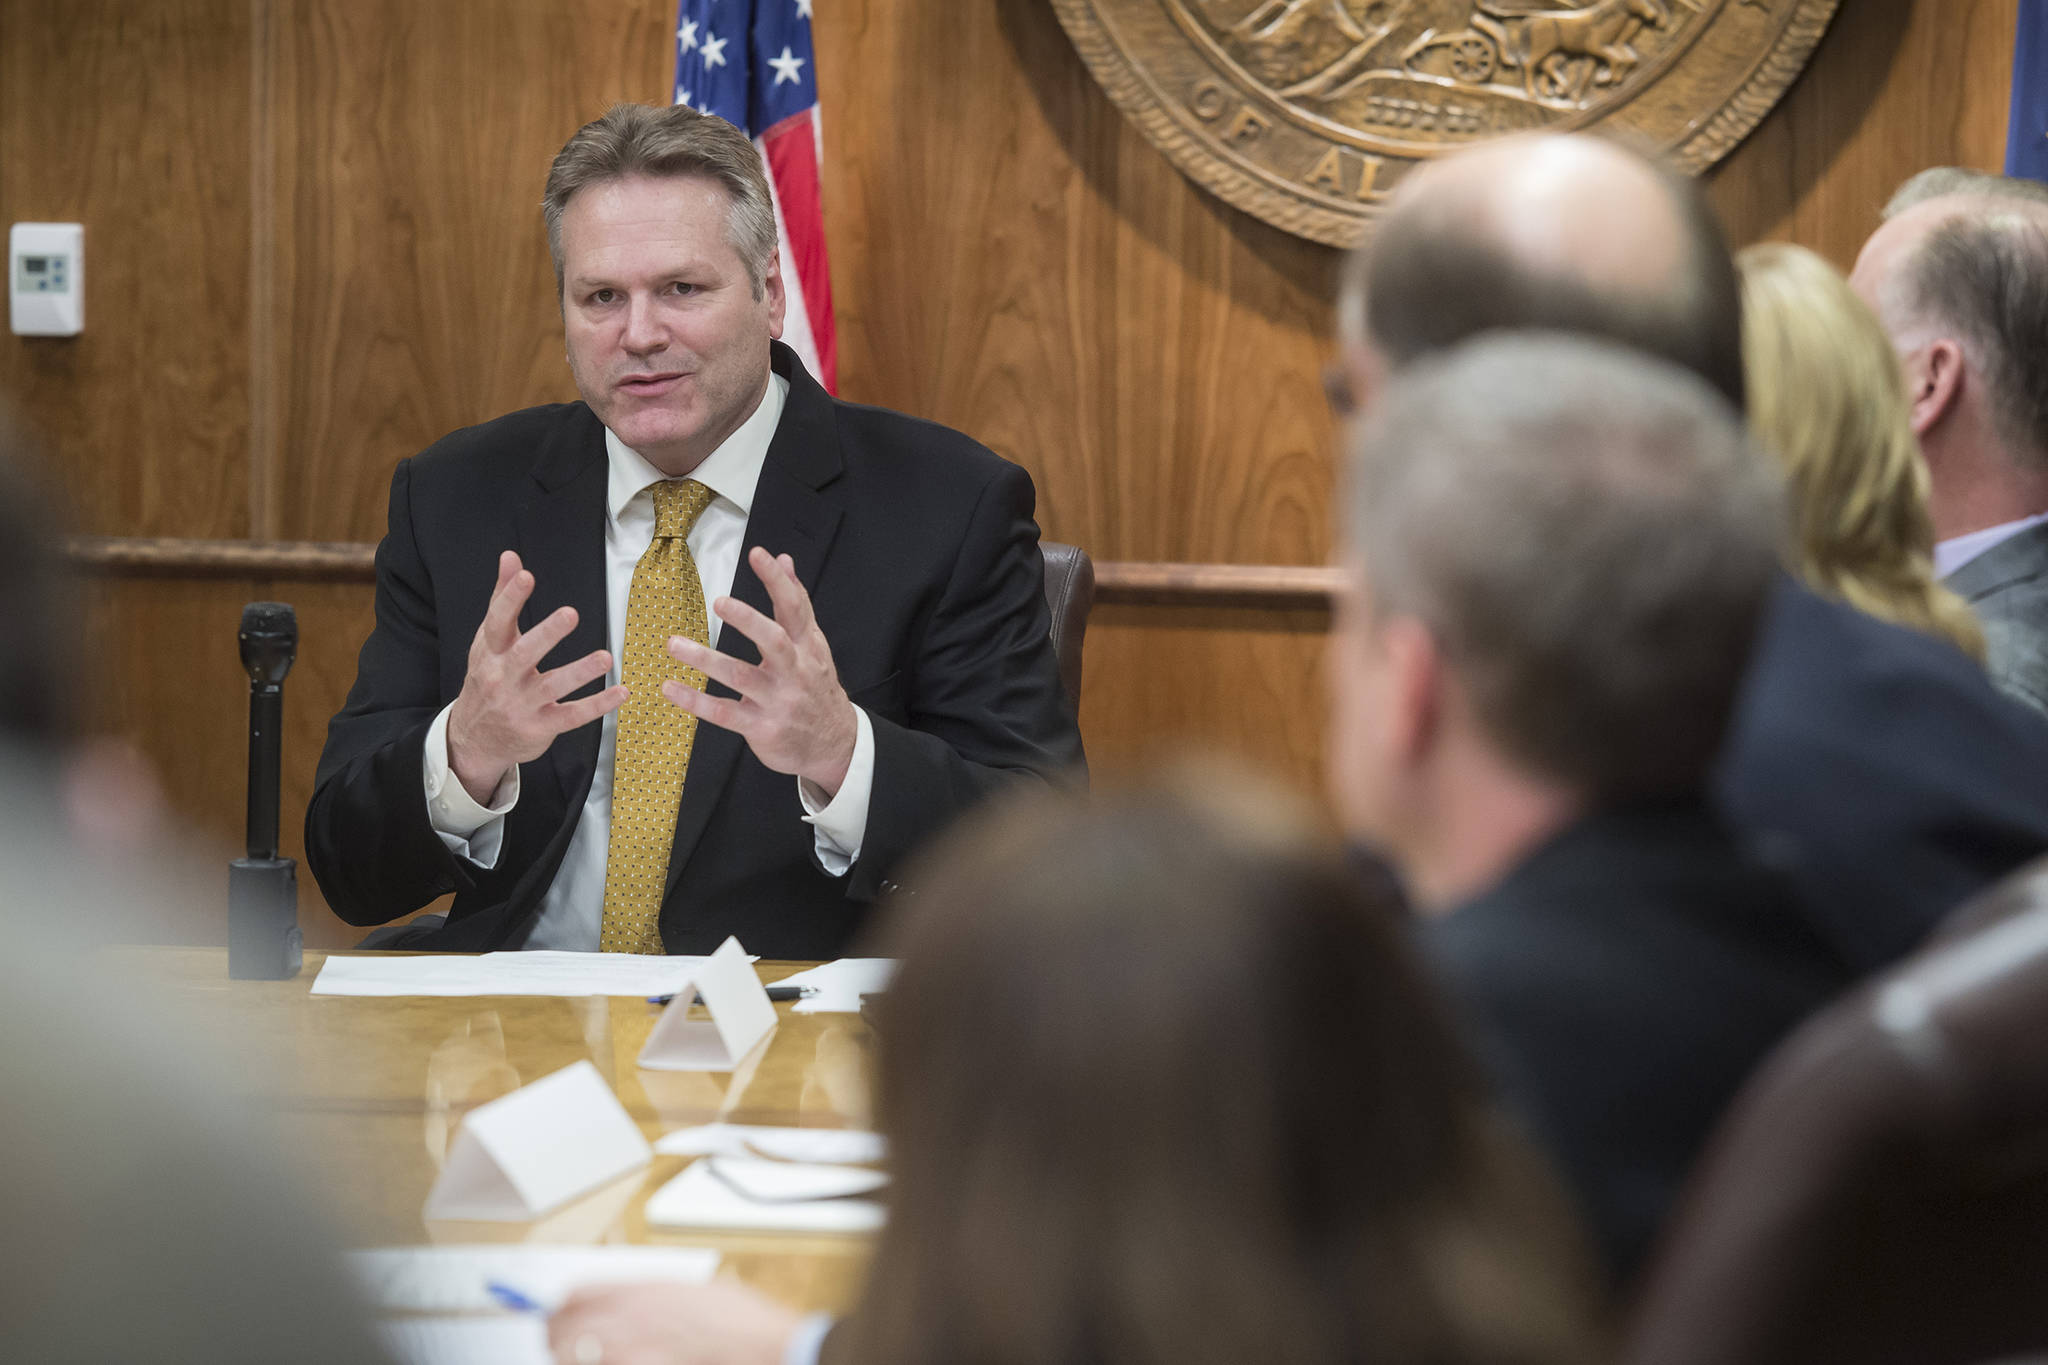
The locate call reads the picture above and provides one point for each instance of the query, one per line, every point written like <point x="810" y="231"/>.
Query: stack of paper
<point x="751" y="1195"/>
<point x="505" y="1340"/>
<point x="832" y="1146"/>
<point x="456" y="1279"/>
<point x="838" y="986"/>
<point x="537" y="973"/>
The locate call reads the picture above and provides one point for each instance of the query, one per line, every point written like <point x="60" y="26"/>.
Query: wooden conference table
<point x="367" y="1092"/>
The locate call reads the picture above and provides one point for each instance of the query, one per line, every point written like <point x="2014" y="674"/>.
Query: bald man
<point x="1960" y="282"/>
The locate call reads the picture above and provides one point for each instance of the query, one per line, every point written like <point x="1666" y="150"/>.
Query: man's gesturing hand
<point x="791" y="709"/>
<point x="509" y="711"/>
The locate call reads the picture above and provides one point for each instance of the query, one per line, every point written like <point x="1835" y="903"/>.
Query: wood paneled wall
<point x="313" y="247"/>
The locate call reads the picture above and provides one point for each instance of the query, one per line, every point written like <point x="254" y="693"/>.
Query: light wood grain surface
<point x="368" y="1092"/>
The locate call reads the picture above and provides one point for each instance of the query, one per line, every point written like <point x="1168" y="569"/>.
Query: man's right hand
<point x="509" y="711"/>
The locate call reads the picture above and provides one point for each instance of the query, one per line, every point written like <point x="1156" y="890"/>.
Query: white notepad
<point x="456" y="1279"/>
<point x="748" y="1195"/>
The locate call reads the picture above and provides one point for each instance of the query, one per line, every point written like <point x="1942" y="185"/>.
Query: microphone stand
<point x="264" y="942"/>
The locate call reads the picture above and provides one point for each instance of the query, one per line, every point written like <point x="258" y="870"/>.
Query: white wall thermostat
<point x="46" y="279"/>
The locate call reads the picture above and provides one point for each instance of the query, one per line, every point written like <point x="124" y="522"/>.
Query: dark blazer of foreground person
<point x="1881" y="769"/>
<point x="920" y="554"/>
<point x="1621" y="983"/>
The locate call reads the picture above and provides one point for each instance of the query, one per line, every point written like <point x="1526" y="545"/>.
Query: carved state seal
<point x="1307" y="113"/>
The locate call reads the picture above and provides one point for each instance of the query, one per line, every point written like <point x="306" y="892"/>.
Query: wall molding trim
<point x="1116" y="582"/>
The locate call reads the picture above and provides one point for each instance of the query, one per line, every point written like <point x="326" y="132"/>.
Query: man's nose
<point x="644" y="333"/>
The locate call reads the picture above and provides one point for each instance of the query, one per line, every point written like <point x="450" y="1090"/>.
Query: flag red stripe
<point x="792" y="147"/>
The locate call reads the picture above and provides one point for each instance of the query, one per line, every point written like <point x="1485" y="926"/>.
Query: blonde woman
<point x="1825" y="393"/>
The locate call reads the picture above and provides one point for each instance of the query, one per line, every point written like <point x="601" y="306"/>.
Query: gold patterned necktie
<point x="654" y="734"/>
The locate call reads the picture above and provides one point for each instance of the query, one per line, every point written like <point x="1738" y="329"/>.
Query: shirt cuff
<point x="467" y="829"/>
<point x="841" y="824"/>
<point x="808" y="1340"/>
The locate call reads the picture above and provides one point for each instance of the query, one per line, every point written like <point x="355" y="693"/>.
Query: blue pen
<point x="512" y="1298"/>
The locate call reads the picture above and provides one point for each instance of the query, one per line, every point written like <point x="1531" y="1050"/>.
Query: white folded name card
<point x="537" y="1148"/>
<point x="741" y="1016"/>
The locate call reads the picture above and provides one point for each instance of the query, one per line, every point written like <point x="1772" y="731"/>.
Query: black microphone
<point x="264" y="942"/>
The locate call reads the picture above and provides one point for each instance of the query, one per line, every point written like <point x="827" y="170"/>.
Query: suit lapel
<point x="794" y="513"/>
<point x="559" y="535"/>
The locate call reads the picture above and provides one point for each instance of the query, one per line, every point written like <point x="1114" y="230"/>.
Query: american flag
<point x="750" y="62"/>
<point x="2026" y="145"/>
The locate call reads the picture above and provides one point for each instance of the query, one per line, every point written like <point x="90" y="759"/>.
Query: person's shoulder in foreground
<point x="1881" y="770"/>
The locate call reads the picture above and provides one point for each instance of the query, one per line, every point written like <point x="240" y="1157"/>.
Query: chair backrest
<point x="1878" y="1194"/>
<point x="1070" y="592"/>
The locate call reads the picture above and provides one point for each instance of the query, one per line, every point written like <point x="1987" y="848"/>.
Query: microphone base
<point x="264" y="943"/>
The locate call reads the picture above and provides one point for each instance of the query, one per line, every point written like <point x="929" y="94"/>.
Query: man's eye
<point x="682" y="288"/>
<point x="603" y="296"/>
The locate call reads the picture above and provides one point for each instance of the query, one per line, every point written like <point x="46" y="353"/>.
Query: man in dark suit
<point x="704" y="653"/>
<point x="1875" y="764"/>
<point x="1960" y="281"/>
<point x="1560" y="554"/>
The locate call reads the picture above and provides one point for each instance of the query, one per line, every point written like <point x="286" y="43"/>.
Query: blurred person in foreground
<point x="1825" y="398"/>
<point x="1559" y="551"/>
<point x="1163" y="1086"/>
<point x="1960" y="282"/>
<point x="1877" y="765"/>
<point x="146" y="1219"/>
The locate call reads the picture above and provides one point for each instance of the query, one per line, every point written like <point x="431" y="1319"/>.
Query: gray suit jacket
<point x="2007" y="586"/>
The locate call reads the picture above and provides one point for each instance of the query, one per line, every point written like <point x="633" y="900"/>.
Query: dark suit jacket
<point x="921" y="557"/>
<point x="1879" y="767"/>
<point x="1620" y="984"/>
<point x="2007" y="586"/>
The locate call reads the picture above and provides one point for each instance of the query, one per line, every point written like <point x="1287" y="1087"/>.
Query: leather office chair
<point x="1878" y="1194"/>
<point x="1069" y="592"/>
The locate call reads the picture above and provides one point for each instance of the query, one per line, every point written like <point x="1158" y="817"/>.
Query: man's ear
<point x="773" y="294"/>
<point x="1417" y="678"/>
<point x="1934" y="383"/>
<point x="1355" y="378"/>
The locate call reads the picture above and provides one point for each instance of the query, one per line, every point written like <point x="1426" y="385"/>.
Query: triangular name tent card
<point x="537" y="1148"/>
<point x="741" y="1016"/>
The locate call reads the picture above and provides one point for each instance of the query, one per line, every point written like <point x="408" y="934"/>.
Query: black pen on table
<point x="774" y="993"/>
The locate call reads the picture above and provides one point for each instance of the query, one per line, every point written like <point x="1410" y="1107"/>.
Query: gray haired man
<point x="1960" y="281"/>
<point x="703" y="654"/>
<point x="1560" y="551"/>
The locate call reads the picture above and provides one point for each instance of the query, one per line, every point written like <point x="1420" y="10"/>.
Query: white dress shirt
<point x="572" y="912"/>
<point x="1952" y="554"/>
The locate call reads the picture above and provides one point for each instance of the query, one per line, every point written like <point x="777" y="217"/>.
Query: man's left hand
<point x="791" y="709"/>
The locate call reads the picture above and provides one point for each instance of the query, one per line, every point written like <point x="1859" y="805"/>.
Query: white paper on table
<point x="785" y="1197"/>
<point x="536" y="1148"/>
<point x="456" y="1279"/>
<point x="516" y="1339"/>
<point x="832" y="1146"/>
<point x="840" y="985"/>
<point x="512" y="973"/>
<point x="741" y="1016"/>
